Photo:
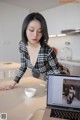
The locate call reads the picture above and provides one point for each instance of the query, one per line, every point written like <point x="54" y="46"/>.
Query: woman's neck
<point x="33" y="45"/>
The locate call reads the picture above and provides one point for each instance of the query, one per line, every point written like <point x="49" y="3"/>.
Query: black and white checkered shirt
<point x="46" y="62"/>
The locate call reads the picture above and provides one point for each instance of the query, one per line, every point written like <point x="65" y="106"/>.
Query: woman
<point x="35" y="53"/>
<point x="71" y="94"/>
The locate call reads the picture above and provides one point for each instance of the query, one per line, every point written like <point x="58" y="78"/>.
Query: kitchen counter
<point x="73" y="66"/>
<point x="9" y="69"/>
<point x="8" y="65"/>
<point x="72" y="62"/>
<point x="16" y="104"/>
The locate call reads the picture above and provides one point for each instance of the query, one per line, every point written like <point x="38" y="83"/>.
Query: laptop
<point x="63" y="98"/>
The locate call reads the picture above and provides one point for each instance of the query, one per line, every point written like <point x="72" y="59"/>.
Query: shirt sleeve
<point x="23" y="66"/>
<point x="55" y="65"/>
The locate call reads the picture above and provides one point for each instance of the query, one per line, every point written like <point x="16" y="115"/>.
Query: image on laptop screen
<point x="64" y="92"/>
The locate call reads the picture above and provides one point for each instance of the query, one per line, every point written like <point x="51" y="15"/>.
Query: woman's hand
<point x="8" y="87"/>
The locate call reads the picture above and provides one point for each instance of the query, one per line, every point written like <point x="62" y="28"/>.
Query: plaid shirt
<point x="46" y="62"/>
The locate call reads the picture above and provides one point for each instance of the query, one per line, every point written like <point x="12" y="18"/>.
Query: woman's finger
<point x="8" y="87"/>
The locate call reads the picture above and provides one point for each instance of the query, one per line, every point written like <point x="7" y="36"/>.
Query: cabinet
<point x="62" y="17"/>
<point x="8" y="70"/>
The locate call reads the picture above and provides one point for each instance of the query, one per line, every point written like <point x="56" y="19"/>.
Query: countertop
<point x="9" y="65"/>
<point x="16" y="104"/>
<point x="70" y="62"/>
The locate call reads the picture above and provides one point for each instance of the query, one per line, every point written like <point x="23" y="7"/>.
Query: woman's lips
<point x="34" y="39"/>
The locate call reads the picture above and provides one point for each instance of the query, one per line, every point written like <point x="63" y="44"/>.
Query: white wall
<point x="11" y="18"/>
<point x="59" y="43"/>
<point x="64" y="17"/>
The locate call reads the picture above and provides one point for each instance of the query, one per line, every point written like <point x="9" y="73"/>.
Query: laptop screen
<point x="63" y="92"/>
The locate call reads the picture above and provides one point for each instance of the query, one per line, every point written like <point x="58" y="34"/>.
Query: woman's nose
<point x="35" y="34"/>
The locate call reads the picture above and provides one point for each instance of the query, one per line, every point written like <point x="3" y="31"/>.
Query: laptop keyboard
<point x="65" y="114"/>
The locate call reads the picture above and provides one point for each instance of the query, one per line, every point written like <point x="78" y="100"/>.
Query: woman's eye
<point x="40" y="31"/>
<point x="31" y="30"/>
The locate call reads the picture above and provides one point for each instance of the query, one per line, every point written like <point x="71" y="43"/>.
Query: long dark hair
<point x="41" y="19"/>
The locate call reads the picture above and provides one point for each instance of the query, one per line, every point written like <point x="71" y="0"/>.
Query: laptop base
<point x="70" y="115"/>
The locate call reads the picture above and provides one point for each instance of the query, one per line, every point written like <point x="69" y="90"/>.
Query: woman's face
<point x="34" y="32"/>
